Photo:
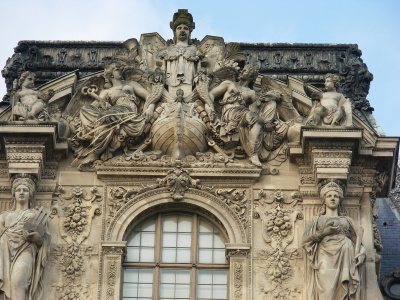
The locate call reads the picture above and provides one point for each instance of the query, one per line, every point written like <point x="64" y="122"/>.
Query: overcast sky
<point x="373" y="25"/>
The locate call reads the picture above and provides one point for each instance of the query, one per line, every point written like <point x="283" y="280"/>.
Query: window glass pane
<point x="132" y="254"/>
<point x="212" y="284"/>
<point x="147" y="239"/>
<point x="137" y="283"/>
<point x="185" y="223"/>
<point x="149" y="225"/>
<point x="145" y="276"/>
<point x="205" y="277"/>
<point x="218" y="241"/>
<point x="170" y="223"/>
<point x="183" y="276"/>
<point x="205" y="240"/>
<point x="219" y="292"/>
<point x="184" y="240"/>
<point x="204" y="291"/>
<point x="220" y="277"/>
<point x="135" y="239"/>
<point x="146" y="254"/>
<point x="182" y="291"/>
<point x="175" y="284"/>
<point x="129" y="289"/>
<point x="145" y="290"/>
<point x="183" y="255"/>
<point x="167" y="291"/>
<point x="205" y="256"/>
<point x="205" y="227"/>
<point x="169" y="239"/>
<point x="169" y="255"/>
<point x="131" y="275"/>
<point x="168" y="276"/>
<point x="219" y="256"/>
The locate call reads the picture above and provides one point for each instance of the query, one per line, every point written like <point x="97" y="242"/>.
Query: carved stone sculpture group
<point x="182" y="105"/>
<point x="182" y="97"/>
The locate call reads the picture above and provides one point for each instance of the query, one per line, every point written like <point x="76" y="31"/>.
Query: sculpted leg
<point x="21" y="276"/>
<point x="255" y="139"/>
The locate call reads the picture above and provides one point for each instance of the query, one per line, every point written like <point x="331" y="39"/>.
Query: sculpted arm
<point x="346" y="104"/>
<point x="318" y="235"/>
<point x="45" y="96"/>
<point x="219" y="90"/>
<point x="139" y="90"/>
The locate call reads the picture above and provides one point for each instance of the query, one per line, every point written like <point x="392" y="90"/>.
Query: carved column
<point x="238" y="255"/>
<point x="113" y="255"/>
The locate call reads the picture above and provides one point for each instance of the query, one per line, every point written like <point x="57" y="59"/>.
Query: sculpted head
<point x="182" y="25"/>
<point x="249" y="72"/>
<point x="331" y="197"/>
<point x="111" y="70"/>
<point x="23" y="188"/>
<point x="27" y="79"/>
<point x="332" y="81"/>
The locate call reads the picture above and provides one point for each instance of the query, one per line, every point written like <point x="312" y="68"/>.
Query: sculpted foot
<point x="255" y="160"/>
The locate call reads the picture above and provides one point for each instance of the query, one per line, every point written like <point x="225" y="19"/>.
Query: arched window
<point x="176" y="256"/>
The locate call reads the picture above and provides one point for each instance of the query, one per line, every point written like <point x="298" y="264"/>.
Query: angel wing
<point x="285" y="108"/>
<point x="138" y="75"/>
<point x="312" y="94"/>
<point x="80" y="97"/>
<point x="222" y="74"/>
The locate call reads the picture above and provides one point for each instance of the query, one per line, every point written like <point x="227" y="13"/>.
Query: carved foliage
<point x="178" y="181"/>
<point x="278" y="219"/>
<point x="76" y="212"/>
<point x="238" y="280"/>
<point x="111" y="278"/>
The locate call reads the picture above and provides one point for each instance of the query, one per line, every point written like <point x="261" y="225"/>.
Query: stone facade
<point x="130" y="132"/>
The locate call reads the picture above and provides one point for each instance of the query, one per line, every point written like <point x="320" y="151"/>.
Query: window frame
<point x="157" y="265"/>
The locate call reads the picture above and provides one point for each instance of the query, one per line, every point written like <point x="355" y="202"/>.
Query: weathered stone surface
<point x="215" y="130"/>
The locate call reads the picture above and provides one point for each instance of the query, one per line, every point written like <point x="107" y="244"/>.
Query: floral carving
<point x="278" y="222"/>
<point x="111" y="278"/>
<point x="76" y="218"/>
<point x="76" y="212"/>
<point x="276" y="268"/>
<point x="178" y="181"/>
<point x="238" y="280"/>
<point x="237" y="200"/>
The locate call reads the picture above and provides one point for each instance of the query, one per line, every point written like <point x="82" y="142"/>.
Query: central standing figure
<point x="180" y="59"/>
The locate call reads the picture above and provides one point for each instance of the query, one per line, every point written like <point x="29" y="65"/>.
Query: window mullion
<point x="194" y="256"/>
<point x="157" y="258"/>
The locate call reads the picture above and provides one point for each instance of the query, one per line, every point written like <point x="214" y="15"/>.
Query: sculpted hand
<point x="34" y="237"/>
<point x="149" y="112"/>
<point x="105" y="105"/>
<point x="360" y="258"/>
<point x="331" y="230"/>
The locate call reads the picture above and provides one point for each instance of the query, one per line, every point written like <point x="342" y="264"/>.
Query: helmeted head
<point x="182" y="17"/>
